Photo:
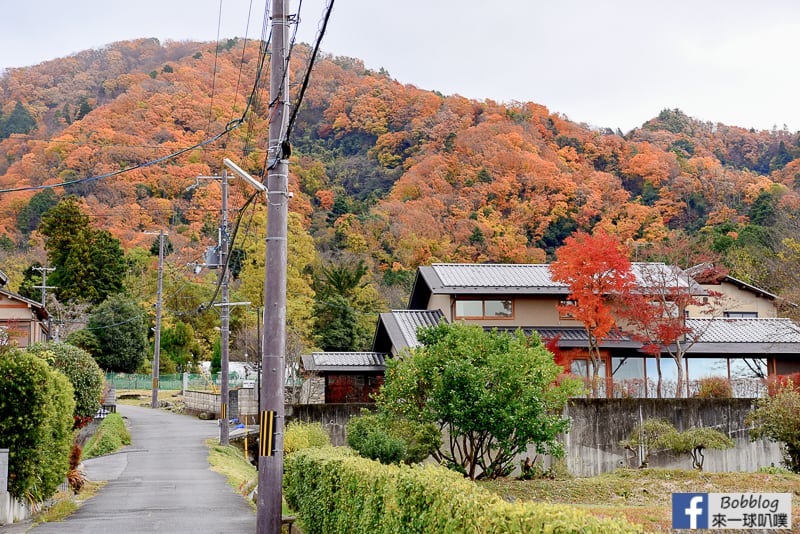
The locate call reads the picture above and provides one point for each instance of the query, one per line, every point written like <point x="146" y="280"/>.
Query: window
<point x="563" y="309"/>
<point x="740" y="315"/>
<point x="485" y="309"/>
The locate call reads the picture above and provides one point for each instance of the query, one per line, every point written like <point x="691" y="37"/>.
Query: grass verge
<point x="111" y="435"/>
<point x="242" y="475"/>
<point x="643" y="496"/>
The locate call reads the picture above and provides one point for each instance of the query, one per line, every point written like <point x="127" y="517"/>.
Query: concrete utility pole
<point x="271" y="416"/>
<point x="157" y="337"/>
<point x="44" y="287"/>
<point x="224" y="315"/>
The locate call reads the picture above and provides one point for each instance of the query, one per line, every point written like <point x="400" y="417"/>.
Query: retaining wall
<point x="598" y="425"/>
<point x="592" y="444"/>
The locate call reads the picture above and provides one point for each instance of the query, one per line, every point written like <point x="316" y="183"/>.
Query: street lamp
<point x="244" y="176"/>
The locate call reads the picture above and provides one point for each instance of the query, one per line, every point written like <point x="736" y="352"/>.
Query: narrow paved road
<point x="161" y="483"/>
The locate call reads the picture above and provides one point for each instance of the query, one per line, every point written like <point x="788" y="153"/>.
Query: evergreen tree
<point x="30" y="216"/>
<point x="89" y="263"/>
<point x="119" y="325"/>
<point x="18" y="121"/>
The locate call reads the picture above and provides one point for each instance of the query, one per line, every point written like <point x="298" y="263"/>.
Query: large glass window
<point x="628" y="374"/>
<point x="669" y="377"/>
<point x="484" y="309"/>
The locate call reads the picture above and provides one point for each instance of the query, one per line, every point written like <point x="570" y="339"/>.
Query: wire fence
<point x="194" y="381"/>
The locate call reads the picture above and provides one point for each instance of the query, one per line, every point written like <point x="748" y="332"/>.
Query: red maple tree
<point x="596" y="269"/>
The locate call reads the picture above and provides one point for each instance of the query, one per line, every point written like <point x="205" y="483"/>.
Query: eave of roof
<point x="31" y="303"/>
<point x="344" y="361"/>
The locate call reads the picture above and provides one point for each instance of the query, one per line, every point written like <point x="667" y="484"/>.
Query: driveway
<point x="161" y="483"/>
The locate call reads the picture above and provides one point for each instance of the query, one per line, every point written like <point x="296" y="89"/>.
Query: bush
<point x="777" y="417"/>
<point x="714" y="387"/>
<point x="110" y="436"/>
<point x="370" y="439"/>
<point x="334" y="491"/>
<point x="301" y="435"/>
<point x="81" y="370"/>
<point x="36" y="407"/>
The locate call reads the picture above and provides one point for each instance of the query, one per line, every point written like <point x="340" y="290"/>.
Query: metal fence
<point x="195" y="381"/>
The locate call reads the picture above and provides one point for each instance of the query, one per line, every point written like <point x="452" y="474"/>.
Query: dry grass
<point x="137" y="397"/>
<point x="643" y="496"/>
<point x="65" y="503"/>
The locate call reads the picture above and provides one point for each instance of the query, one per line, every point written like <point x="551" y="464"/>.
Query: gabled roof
<point x="37" y="308"/>
<point x="701" y="269"/>
<point x="344" y="361"/>
<point x="398" y="328"/>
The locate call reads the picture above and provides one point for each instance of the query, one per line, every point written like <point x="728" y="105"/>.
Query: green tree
<point x="658" y="434"/>
<point x="89" y="263"/>
<point x="346" y="306"/>
<point x="695" y="440"/>
<point x="777" y="417"/>
<point x="178" y="343"/>
<point x="81" y="369"/>
<point x="649" y="437"/>
<point x="18" y="121"/>
<point x="31" y="277"/>
<point x="30" y="216"/>
<point x="491" y="393"/>
<point x="299" y="293"/>
<point x="120" y="326"/>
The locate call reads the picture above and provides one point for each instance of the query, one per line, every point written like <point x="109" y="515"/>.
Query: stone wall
<point x="313" y="390"/>
<point x="598" y="425"/>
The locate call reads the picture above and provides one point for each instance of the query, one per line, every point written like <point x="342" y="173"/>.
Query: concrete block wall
<point x="598" y="425"/>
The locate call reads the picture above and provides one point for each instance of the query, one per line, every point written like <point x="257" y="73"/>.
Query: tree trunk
<point x="660" y="377"/>
<point x="679" y="363"/>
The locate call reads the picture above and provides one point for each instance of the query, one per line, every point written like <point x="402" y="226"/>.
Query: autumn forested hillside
<point x="384" y="174"/>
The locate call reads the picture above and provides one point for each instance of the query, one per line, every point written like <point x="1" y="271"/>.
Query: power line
<point x="307" y="75"/>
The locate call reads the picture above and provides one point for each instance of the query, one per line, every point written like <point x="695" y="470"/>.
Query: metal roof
<point x="531" y="278"/>
<point x="745" y="330"/>
<point x="575" y="336"/>
<point x="344" y="361"/>
<point x="401" y="325"/>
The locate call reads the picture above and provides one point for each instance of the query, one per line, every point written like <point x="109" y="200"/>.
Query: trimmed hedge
<point x="36" y="407"/>
<point x="81" y="369"/>
<point x="335" y="491"/>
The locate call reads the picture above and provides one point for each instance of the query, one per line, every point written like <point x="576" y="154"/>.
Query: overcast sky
<point x="612" y="63"/>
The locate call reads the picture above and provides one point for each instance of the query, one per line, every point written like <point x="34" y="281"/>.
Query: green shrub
<point x="370" y="439"/>
<point x="110" y="436"/>
<point x="81" y="369"/>
<point x="36" y="407"/>
<point x="301" y="435"/>
<point x="335" y="491"/>
<point x="777" y="417"/>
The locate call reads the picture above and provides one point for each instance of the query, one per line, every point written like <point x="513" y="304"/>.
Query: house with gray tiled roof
<point x="743" y="341"/>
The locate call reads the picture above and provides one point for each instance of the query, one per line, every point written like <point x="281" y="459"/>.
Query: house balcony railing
<point x="648" y="388"/>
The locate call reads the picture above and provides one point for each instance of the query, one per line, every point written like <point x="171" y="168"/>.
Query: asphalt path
<point x="160" y="483"/>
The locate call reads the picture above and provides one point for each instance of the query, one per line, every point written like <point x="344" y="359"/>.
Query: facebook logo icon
<point x="690" y="510"/>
